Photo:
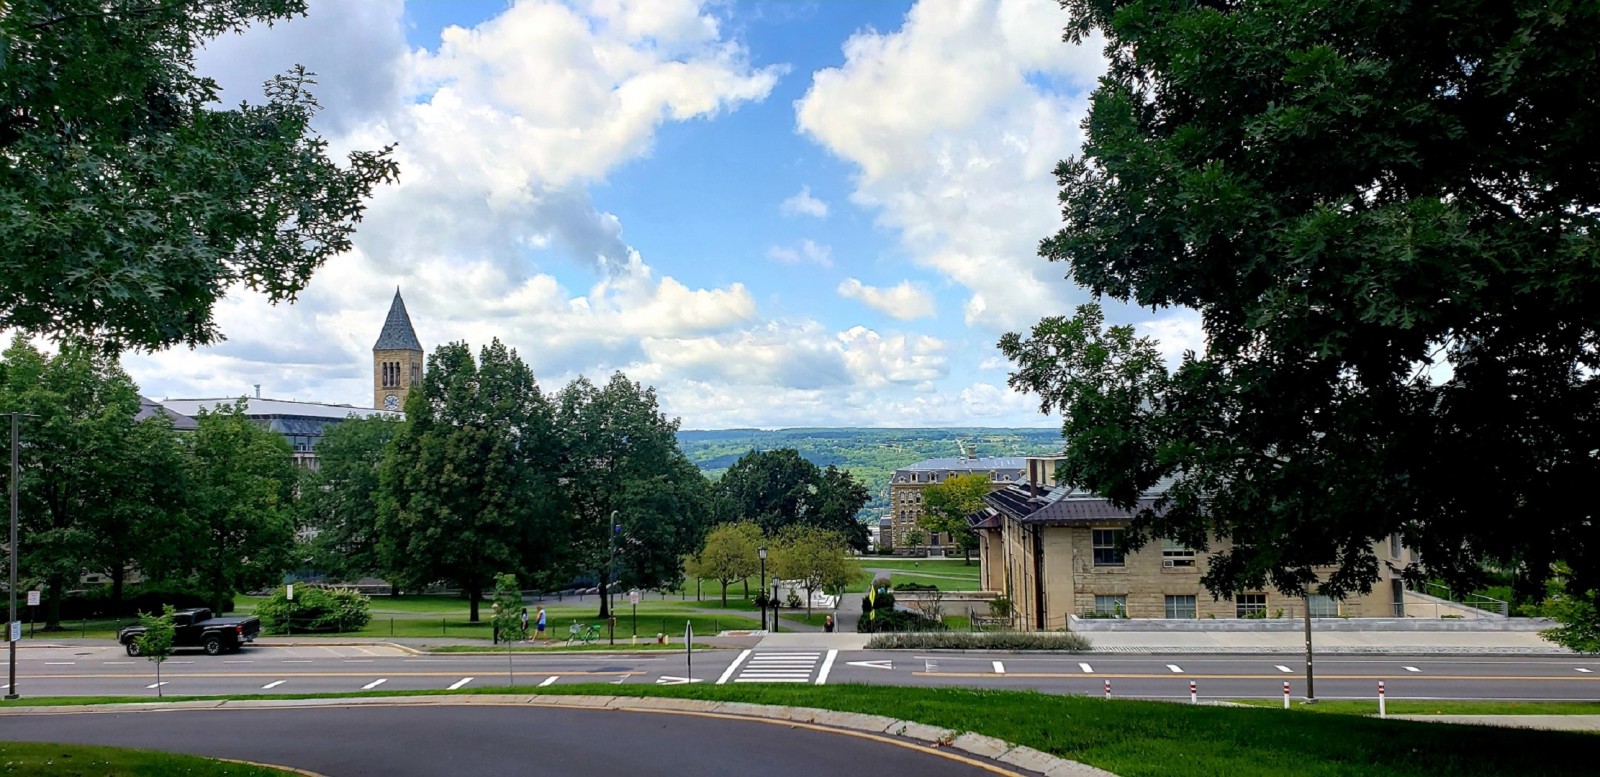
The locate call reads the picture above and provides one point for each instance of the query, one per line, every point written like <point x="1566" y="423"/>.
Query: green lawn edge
<point x="1128" y="737"/>
<point x="1440" y="707"/>
<point x="67" y="760"/>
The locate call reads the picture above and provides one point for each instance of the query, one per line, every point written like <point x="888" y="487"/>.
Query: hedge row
<point x="982" y="640"/>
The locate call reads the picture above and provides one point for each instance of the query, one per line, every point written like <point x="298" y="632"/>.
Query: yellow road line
<point x="1097" y="676"/>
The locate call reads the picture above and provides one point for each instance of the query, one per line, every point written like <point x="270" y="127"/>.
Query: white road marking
<point x="1175" y="669"/>
<point x="1410" y="669"/>
<point x="273" y="684"/>
<point x="1585" y="671"/>
<point x="999" y="668"/>
<point x="872" y="664"/>
<point x="374" y="683"/>
<point x="459" y="683"/>
<point x="731" y="667"/>
<point x="667" y="679"/>
<point x="157" y="685"/>
<point x="549" y="680"/>
<point x="827" y="666"/>
<point x="619" y="680"/>
<point x="1086" y="668"/>
<point x="1284" y="669"/>
<point x="742" y="679"/>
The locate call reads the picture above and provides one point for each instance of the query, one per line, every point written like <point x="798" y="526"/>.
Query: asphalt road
<point x="426" y="741"/>
<point x="107" y="671"/>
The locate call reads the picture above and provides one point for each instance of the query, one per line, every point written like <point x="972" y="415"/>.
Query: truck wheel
<point x="133" y="648"/>
<point x="213" y="646"/>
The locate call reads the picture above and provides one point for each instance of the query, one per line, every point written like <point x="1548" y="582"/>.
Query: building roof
<point x="1066" y="506"/>
<point x="149" y="408"/>
<point x="257" y="407"/>
<point x="1005" y="468"/>
<point x="397" y="334"/>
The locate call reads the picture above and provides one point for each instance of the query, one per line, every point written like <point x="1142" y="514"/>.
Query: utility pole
<point x="11" y="550"/>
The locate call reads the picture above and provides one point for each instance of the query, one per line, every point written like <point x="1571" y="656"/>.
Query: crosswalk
<point x="788" y="666"/>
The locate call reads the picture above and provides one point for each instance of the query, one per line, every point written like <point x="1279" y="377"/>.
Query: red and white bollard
<point x="1108" y="689"/>
<point x="1194" y="695"/>
<point x="1383" y="712"/>
<point x="1286" y="694"/>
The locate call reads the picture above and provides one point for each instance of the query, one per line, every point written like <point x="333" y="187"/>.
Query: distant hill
<point x="871" y="454"/>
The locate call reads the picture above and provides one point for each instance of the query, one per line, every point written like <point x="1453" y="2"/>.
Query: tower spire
<point x="397" y="334"/>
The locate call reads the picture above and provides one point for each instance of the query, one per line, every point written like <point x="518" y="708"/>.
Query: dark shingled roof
<point x="180" y="422"/>
<point x="1063" y="506"/>
<point x="397" y="334"/>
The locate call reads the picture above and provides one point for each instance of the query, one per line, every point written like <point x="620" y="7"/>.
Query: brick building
<point x="905" y="493"/>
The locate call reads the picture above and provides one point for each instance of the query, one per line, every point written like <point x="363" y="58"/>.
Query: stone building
<point x="905" y="493"/>
<point x="397" y="359"/>
<point x="1055" y="553"/>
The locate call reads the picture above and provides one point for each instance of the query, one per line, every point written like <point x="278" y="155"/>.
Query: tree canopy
<point x="946" y="505"/>
<point x="728" y="555"/>
<point x="779" y="488"/>
<point x="340" y="498"/>
<point x="129" y="203"/>
<point x="1385" y="215"/>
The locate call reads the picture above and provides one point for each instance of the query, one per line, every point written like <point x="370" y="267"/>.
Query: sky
<point x="777" y="213"/>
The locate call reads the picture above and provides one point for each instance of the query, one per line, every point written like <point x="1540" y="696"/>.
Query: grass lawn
<point x="1145" y="738"/>
<point x="88" y="761"/>
<point x="942" y="566"/>
<point x="1415" y="707"/>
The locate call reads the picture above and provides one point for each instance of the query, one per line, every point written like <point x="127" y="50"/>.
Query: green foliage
<point x="730" y="553"/>
<point x="909" y="586"/>
<point x="469" y="486"/>
<point x="313" y="610"/>
<point x="1349" y="194"/>
<point x="155" y="644"/>
<point x="1580" y="623"/>
<point x="507" y="608"/>
<point x="817" y="559"/>
<point x="131" y="203"/>
<point x="624" y="453"/>
<point x="947" y="504"/>
<point x="340" y="498"/>
<point x="240" y="480"/>
<point x="915" y="538"/>
<point x="889" y="620"/>
<point x="778" y="489"/>
<point x="981" y="640"/>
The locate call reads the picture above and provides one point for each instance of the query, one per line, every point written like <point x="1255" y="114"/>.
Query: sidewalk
<point x="1399" y="642"/>
<point x="1547" y="722"/>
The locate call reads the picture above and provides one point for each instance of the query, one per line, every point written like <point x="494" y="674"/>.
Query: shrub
<point x="762" y="600"/>
<point x="896" y="620"/>
<point x="793" y="602"/>
<point x="915" y="587"/>
<point x="138" y="598"/>
<point x="314" y="610"/>
<point x="1000" y="607"/>
<point x="982" y="640"/>
<point x="1580" y="623"/>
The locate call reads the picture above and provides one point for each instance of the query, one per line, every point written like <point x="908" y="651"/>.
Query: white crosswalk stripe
<point x="788" y="667"/>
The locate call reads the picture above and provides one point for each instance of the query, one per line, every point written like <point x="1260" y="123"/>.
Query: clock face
<point x="391" y="402"/>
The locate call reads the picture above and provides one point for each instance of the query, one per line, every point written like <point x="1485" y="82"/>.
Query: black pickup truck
<point x="196" y="628"/>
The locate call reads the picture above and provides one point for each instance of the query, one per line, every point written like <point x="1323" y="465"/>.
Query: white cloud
<point x="955" y="123"/>
<point x="804" y="252"/>
<point x="906" y="301"/>
<point x="1176" y="333"/>
<point x="803" y="204"/>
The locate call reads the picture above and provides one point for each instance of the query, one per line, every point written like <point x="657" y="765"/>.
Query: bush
<point x="915" y="587"/>
<point x="139" y="598"/>
<point x="793" y="602"/>
<point x="762" y="600"/>
<point x="896" y="620"/>
<point x="885" y="602"/>
<point x="314" y="610"/>
<point x="983" y="640"/>
<point x="1580" y="623"/>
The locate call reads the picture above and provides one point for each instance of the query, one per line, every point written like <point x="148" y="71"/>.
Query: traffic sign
<point x="33" y="598"/>
<point x="16" y="631"/>
<point x="633" y="596"/>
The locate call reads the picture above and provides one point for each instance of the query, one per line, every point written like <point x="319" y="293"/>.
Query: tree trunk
<point x="809" y="596"/>
<point x="747" y="587"/>
<point x="472" y="597"/>
<point x="394" y="590"/>
<point x="724" y="594"/>
<point x="605" y="598"/>
<point x="52" y="611"/>
<point x="118" y="574"/>
<point x="966" y="551"/>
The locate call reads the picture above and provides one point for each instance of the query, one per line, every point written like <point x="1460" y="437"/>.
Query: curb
<point x="925" y="736"/>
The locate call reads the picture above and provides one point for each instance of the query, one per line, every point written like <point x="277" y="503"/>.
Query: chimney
<point x="1033" y="479"/>
<point x="258" y="391"/>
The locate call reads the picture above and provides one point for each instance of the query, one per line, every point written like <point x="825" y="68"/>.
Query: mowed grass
<point x="1441" y="707"/>
<point x="1141" y="738"/>
<point x="57" y="760"/>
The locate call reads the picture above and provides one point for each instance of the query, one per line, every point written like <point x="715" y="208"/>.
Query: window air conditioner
<point x="1168" y="563"/>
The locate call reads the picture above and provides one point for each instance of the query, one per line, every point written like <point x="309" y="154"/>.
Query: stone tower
<point x="396" y="359"/>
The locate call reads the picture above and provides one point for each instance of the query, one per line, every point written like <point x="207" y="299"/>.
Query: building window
<point x="416" y="374"/>
<point x="1395" y="546"/>
<point x="1174" y="554"/>
<point x="1181" y="607"/>
<point x="1107" y="547"/>
<point x="1111" y="606"/>
<point x="1324" y="606"/>
<point x="1251" y="606"/>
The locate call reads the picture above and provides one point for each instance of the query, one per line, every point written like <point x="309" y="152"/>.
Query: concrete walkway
<point x="1495" y="642"/>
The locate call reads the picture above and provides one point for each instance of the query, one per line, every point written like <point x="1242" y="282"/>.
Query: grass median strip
<point x="60" y="760"/>
<point x="1137" y="738"/>
<point x="1440" y="707"/>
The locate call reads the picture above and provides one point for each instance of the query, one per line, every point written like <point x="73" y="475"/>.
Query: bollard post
<point x="1108" y="690"/>
<point x="1383" y="711"/>
<point x="1194" y="695"/>
<point x="1286" y="694"/>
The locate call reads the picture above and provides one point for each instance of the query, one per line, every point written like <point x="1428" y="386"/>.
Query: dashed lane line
<point x="999" y="668"/>
<point x="1086" y="668"/>
<point x="457" y="684"/>
<point x="154" y="686"/>
<point x="1175" y="668"/>
<point x="1283" y="669"/>
<point x="273" y="684"/>
<point x="1410" y="669"/>
<point x="374" y="683"/>
<point x="549" y="680"/>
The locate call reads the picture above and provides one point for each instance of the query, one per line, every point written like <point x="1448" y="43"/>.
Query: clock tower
<point x="397" y="359"/>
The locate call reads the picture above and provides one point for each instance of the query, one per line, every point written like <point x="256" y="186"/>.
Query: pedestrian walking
<point x="524" y="623"/>
<point x="827" y="623"/>
<point x="539" y="624"/>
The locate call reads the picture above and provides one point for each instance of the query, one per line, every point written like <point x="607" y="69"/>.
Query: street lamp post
<point x="774" y="603"/>
<point x="762" y="552"/>
<point x="11" y="550"/>
<point x="611" y="565"/>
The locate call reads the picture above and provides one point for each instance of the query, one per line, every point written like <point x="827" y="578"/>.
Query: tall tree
<point x="622" y="459"/>
<point x="1387" y="216"/>
<point x="467" y="490"/>
<point x="149" y="510"/>
<point x="946" y="505"/>
<point x="241" y="487"/>
<point x="88" y="469"/>
<point x="129" y="204"/>
<point x="816" y="558"/>
<point x="840" y="498"/>
<point x="340" y="499"/>
<point x="780" y="488"/>
<point x="729" y="554"/>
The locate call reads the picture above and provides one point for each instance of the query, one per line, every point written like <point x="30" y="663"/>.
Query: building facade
<point x="905" y="494"/>
<point x="1056" y="553"/>
<point x="397" y="359"/>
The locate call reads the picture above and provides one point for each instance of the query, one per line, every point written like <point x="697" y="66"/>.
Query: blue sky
<point x="779" y="214"/>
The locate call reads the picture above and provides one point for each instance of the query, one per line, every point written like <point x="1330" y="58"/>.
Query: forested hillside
<point x="872" y="455"/>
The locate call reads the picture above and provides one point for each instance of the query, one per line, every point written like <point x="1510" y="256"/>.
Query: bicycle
<point x="583" y="634"/>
